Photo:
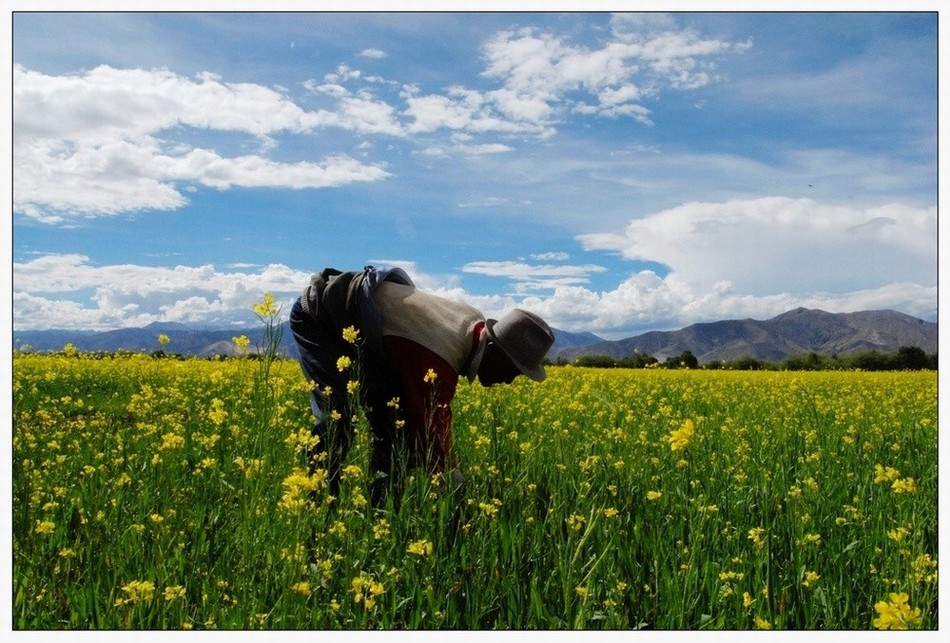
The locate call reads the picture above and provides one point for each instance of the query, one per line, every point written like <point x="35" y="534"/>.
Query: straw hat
<point x="525" y="338"/>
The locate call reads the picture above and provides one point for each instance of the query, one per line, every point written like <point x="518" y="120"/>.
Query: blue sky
<point x="615" y="173"/>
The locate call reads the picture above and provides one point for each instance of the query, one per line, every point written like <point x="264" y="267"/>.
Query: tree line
<point x="906" y="358"/>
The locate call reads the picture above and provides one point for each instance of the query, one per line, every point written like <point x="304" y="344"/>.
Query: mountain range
<point x="796" y="332"/>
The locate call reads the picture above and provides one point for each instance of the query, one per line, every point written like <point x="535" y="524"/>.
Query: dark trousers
<point x="320" y="346"/>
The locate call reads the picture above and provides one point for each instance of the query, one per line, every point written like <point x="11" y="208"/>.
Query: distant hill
<point x="563" y="340"/>
<point x="183" y="340"/>
<point x="797" y="332"/>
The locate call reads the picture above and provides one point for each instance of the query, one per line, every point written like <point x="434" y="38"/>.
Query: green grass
<point x="577" y="510"/>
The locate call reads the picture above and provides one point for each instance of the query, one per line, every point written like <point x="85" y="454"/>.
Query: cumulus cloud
<point x="68" y="291"/>
<point x="777" y="244"/>
<point x="736" y="259"/>
<point x="109" y="141"/>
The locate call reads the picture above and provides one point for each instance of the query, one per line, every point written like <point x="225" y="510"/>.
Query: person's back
<point x="441" y="325"/>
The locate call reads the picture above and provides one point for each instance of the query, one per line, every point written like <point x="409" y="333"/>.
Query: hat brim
<point x="536" y="373"/>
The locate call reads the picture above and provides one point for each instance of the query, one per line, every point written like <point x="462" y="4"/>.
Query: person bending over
<point x="406" y="348"/>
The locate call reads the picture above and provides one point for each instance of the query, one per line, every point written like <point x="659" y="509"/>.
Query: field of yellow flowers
<point x="174" y="494"/>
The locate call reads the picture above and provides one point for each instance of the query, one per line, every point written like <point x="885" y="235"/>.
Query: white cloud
<point x="645" y="301"/>
<point x="483" y="148"/>
<point x="755" y="258"/>
<point x="433" y="112"/>
<point x="367" y="115"/>
<point x="551" y="256"/>
<point x="342" y="74"/>
<point x="50" y="292"/>
<point x="526" y="277"/>
<point x="109" y="141"/>
<point x="53" y="291"/>
<point x="253" y="171"/>
<point x="538" y="74"/>
<point x="538" y="70"/>
<point x="776" y="244"/>
<point x="330" y="89"/>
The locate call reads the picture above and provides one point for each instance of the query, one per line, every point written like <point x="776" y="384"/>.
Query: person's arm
<point x="428" y="401"/>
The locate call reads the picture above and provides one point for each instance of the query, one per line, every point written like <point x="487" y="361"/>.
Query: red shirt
<point x="427" y="407"/>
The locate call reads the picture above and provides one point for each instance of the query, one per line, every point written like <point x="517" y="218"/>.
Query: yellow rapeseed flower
<point x="351" y="334"/>
<point x="681" y="437"/>
<point x="898" y="534"/>
<point x="241" y="342"/>
<point x="45" y="527"/>
<point x="490" y="509"/>
<point x="885" y="474"/>
<point x="302" y="588"/>
<point x="420" y="548"/>
<point x="896" y="614"/>
<point x="810" y="578"/>
<point x="137" y="591"/>
<point x="249" y="466"/>
<point x="366" y="590"/>
<point x="302" y="439"/>
<point x="298" y="485"/>
<point x="172" y="441"/>
<point x="351" y="471"/>
<point x="925" y="569"/>
<point x="731" y="577"/>
<point x="266" y="308"/>
<point x="343" y="363"/>
<point x="430" y="376"/>
<point x="217" y="414"/>
<point x="755" y="535"/>
<point x="904" y="485"/>
<point x="381" y="529"/>
<point x="575" y="521"/>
